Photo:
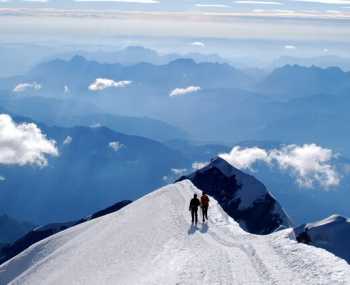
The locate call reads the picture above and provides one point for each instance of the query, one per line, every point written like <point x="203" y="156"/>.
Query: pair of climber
<point x="195" y="203"/>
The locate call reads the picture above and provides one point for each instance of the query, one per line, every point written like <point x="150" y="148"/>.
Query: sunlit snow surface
<point x="151" y="242"/>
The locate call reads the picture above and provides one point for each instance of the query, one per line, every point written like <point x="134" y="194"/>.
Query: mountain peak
<point x="78" y="59"/>
<point x="183" y="61"/>
<point x="242" y="196"/>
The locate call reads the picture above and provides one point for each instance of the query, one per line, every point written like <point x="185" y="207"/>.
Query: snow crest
<point x="152" y="242"/>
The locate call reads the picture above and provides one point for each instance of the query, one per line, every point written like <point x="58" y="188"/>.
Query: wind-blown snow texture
<point x="151" y="242"/>
<point x="332" y="233"/>
<point x="242" y="196"/>
<point x="42" y="232"/>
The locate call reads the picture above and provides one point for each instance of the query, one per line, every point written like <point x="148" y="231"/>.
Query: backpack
<point x="205" y="200"/>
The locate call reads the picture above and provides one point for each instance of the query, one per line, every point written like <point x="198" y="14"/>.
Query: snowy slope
<point x="242" y="196"/>
<point x="45" y="231"/>
<point x="332" y="233"/>
<point x="151" y="242"/>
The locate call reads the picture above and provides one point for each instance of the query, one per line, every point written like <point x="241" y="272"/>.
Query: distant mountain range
<point x="54" y="75"/>
<point x="31" y="236"/>
<point x="292" y="81"/>
<point x="228" y="104"/>
<point x="72" y="112"/>
<point x="136" y="54"/>
<point x="96" y="166"/>
<point x="320" y="61"/>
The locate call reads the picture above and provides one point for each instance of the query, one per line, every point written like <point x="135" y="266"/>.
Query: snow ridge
<point x="152" y="242"/>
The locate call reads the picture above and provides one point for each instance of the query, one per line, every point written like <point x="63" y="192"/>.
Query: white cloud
<point x="332" y="2"/>
<point x="124" y="1"/>
<point x="258" y="10"/>
<point x="179" y="171"/>
<point x="212" y="5"/>
<point x="309" y="163"/>
<point x="290" y="47"/>
<point x="244" y="158"/>
<point x="333" y="11"/>
<point x="68" y="140"/>
<point x="22" y="87"/>
<point x="199" y="164"/>
<point x="198" y="44"/>
<point x="66" y="89"/>
<point x="2" y="178"/>
<point x="325" y="50"/>
<point x="103" y="83"/>
<point x="24" y="143"/>
<point x="284" y="11"/>
<point x="115" y="145"/>
<point x="259" y="2"/>
<point x="95" y="125"/>
<point x="184" y="91"/>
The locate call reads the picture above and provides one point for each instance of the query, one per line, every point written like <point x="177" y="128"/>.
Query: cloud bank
<point x="310" y="164"/>
<point x="103" y="83"/>
<point x="22" y="87"/>
<point x="184" y="91"/>
<point x="24" y="143"/>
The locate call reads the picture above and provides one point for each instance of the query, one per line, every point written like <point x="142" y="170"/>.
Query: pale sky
<point x="287" y="21"/>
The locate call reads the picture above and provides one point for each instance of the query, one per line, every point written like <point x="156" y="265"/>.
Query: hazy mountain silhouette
<point x="292" y="81"/>
<point x="72" y="112"/>
<point x="136" y="54"/>
<point x="78" y="73"/>
<point x="320" y="61"/>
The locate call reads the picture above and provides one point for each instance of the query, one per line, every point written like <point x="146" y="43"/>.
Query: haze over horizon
<point x="259" y="29"/>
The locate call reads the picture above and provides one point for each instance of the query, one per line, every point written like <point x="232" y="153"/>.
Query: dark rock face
<point x="40" y="233"/>
<point x="242" y="196"/>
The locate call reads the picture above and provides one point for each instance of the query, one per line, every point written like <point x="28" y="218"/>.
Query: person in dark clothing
<point x="194" y="204"/>
<point x="205" y="206"/>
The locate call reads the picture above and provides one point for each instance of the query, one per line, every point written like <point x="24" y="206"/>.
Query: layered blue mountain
<point x="242" y="196"/>
<point x="71" y="112"/>
<point x="39" y="233"/>
<point x="229" y="107"/>
<point x="320" y="61"/>
<point x="96" y="166"/>
<point x="327" y="115"/>
<point x="136" y="54"/>
<point x="292" y="81"/>
<point x="12" y="229"/>
<point x="78" y="73"/>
